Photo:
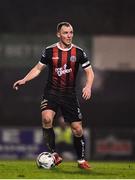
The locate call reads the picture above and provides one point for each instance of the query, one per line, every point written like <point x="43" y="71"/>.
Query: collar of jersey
<point x="66" y="49"/>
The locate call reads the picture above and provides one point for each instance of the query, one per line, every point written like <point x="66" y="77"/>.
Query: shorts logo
<point x="73" y="58"/>
<point x="63" y="70"/>
<point x="79" y="113"/>
<point x="43" y="104"/>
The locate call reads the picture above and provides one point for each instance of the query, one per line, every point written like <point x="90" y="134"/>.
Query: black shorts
<point x="69" y="106"/>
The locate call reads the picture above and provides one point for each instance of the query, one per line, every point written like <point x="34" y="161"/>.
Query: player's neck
<point x="64" y="47"/>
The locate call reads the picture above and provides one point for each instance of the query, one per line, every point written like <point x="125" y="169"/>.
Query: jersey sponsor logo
<point x="63" y="70"/>
<point x="73" y="58"/>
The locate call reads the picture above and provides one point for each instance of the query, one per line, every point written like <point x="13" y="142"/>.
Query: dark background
<point x="114" y="17"/>
<point x="111" y="106"/>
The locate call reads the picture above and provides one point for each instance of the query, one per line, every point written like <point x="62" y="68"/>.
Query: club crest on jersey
<point x="63" y="70"/>
<point x="73" y="58"/>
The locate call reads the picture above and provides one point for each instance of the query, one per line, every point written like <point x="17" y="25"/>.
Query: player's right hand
<point x="18" y="83"/>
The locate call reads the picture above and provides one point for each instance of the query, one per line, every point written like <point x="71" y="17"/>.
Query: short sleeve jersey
<point x="63" y="66"/>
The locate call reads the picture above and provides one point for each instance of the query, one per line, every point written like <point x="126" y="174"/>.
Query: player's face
<point x="65" y="35"/>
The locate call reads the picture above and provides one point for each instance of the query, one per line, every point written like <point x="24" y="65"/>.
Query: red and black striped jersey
<point x="63" y="66"/>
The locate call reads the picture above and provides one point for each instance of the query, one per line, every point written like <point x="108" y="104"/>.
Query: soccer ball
<point x="45" y="160"/>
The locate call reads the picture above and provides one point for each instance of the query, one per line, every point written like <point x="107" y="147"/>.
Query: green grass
<point x="67" y="170"/>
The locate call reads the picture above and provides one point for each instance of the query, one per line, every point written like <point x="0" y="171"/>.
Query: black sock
<point x="49" y="139"/>
<point x="79" y="145"/>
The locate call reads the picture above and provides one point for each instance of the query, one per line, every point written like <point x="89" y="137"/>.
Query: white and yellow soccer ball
<point x="45" y="160"/>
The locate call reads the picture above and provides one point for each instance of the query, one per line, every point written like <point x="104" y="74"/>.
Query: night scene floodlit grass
<point x="27" y="169"/>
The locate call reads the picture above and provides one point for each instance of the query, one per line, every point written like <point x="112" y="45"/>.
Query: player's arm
<point x="33" y="73"/>
<point x="86" y="92"/>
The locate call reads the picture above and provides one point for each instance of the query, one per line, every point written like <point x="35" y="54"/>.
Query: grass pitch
<point x="67" y="170"/>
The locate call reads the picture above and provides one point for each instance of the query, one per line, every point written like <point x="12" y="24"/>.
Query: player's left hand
<point x="86" y="92"/>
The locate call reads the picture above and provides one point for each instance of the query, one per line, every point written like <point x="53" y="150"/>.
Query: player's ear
<point x="58" y="34"/>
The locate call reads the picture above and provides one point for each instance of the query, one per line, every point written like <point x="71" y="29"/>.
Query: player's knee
<point x="47" y="121"/>
<point x="78" y="131"/>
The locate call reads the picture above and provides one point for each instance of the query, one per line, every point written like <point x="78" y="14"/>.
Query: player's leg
<point x="78" y="139"/>
<point x="49" y="135"/>
<point x="79" y="144"/>
<point x="48" y="131"/>
<point x="72" y="114"/>
<point x="48" y="111"/>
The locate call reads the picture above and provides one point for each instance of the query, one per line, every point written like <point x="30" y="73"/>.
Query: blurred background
<point x="105" y="29"/>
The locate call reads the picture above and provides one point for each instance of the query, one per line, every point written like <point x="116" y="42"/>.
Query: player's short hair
<point x="59" y="26"/>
